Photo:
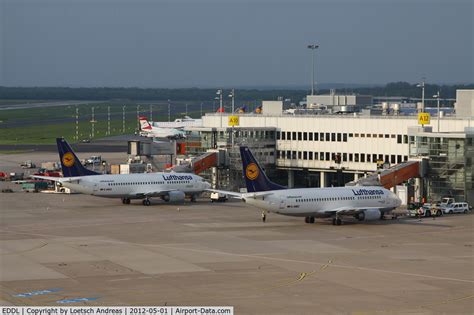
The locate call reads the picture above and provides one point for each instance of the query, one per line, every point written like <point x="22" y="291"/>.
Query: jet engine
<point x="174" y="196"/>
<point x="369" y="215"/>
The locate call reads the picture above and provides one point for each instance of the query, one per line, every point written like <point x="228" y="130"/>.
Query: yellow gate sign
<point x="233" y="121"/>
<point x="423" y="118"/>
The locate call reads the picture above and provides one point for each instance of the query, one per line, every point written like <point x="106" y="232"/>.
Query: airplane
<point x="148" y="130"/>
<point x="186" y="121"/>
<point x="363" y="203"/>
<point x="167" y="186"/>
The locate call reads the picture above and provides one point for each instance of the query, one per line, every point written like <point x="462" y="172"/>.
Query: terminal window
<point x="328" y="158"/>
<point x="368" y="157"/>
<point x="305" y="155"/>
<point x="387" y="136"/>
<point x="310" y="155"/>
<point x="316" y="136"/>
<point x="344" y="157"/>
<point x="321" y="136"/>
<point x="374" y="158"/>
<point x="305" y="136"/>
<point x="283" y="136"/>
<point x="351" y="135"/>
<point x="321" y="156"/>
<point x="374" y="135"/>
<point x="293" y="155"/>
<point x="350" y="157"/>
<point x="328" y="136"/>
<point x="369" y="135"/>
<point x="339" y="137"/>
<point x="344" y="137"/>
<point x="300" y="136"/>
<point x="310" y="134"/>
<point x="356" y="157"/>
<point x="288" y="135"/>
<point x="399" y="138"/>
<point x="333" y="136"/>
<point x="362" y="158"/>
<point x="299" y="155"/>
<point x="294" y="135"/>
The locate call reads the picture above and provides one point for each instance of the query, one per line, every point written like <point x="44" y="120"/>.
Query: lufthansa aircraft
<point x="363" y="203"/>
<point x="168" y="186"/>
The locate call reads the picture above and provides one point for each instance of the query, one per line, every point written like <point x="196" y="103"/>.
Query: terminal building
<point x="346" y="142"/>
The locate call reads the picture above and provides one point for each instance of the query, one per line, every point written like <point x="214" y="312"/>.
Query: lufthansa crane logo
<point x="68" y="159"/>
<point x="251" y="171"/>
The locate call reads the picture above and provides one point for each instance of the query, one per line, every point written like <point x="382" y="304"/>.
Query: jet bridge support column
<point x="322" y="179"/>
<point x="291" y="179"/>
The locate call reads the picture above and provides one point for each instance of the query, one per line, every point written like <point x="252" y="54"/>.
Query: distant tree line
<point x="403" y="89"/>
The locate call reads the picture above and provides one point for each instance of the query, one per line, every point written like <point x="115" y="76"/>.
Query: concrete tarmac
<point x="57" y="247"/>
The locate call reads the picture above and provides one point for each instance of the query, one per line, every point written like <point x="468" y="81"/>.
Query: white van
<point x="456" y="207"/>
<point x="221" y="197"/>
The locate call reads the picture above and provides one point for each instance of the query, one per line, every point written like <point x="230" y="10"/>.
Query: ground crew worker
<point x="264" y="216"/>
<point x="420" y="213"/>
<point x="433" y="212"/>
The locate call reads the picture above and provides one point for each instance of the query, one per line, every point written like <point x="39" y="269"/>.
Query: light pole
<point x="123" y="119"/>
<point x="437" y="99"/>
<point x="422" y="85"/>
<point x="169" y="110"/>
<point x="313" y="47"/>
<point x="77" y="123"/>
<point x="232" y="95"/>
<point x="219" y="92"/>
<point x="108" y="120"/>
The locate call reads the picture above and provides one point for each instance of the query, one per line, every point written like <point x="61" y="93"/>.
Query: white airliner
<point x="168" y="186"/>
<point x="363" y="203"/>
<point x="148" y="130"/>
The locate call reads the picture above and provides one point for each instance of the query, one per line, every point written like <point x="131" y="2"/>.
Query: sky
<point x="234" y="43"/>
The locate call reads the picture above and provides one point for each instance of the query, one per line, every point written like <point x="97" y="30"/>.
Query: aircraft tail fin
<point x="70" y="164"/>
<point x="144" y="124"/>
<point x="255" y="177"/>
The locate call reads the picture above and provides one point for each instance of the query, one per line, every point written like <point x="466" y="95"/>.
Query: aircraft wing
<point x="152" y="193"/>
<point x="57" y="179"/>
<point x="350" y="210"/>
<point x="255" y="195"/>
<point x="230" y="193"/>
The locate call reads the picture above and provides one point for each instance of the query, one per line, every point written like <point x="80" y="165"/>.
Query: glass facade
<point x="449" y="172"/>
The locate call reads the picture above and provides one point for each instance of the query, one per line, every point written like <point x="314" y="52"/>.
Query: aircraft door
<point x="282" y="205"/>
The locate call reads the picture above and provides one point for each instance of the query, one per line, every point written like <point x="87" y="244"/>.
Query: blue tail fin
<point x="255" y="177"/>
<point x="69" y="162"/>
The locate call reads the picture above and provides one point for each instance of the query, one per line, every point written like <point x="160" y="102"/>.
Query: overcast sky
<point x="233" y="42"/>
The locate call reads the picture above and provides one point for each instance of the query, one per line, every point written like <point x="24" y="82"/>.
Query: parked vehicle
<point x="34" y="186"/>
<point x="93" y="160"/>
<point x="457" y="207"/>
<point x="27" y="164"/>
<point x="446" y="202"/>
<point x="219" y="197"/>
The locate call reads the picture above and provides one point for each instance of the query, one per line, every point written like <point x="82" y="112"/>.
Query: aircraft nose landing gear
<point x="125" y="201"/>
<point x="309" y="220"/>
<point x="146" y="202"/>
<point x="336" y="221"/>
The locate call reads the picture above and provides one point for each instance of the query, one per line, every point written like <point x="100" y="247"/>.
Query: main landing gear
<point x="146" y="202"/>
<point x="126" y="201"/>
<point x="193" y="198"/>
<point x="309" y="220"/>
<point x="336" y="221"/>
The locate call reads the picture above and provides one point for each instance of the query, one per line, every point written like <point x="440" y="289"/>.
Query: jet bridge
<point x="393" y="176"/>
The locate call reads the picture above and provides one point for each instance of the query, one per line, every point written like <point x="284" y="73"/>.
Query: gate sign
<point x="233" y="121"/>
<point x="423" y="118"/>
